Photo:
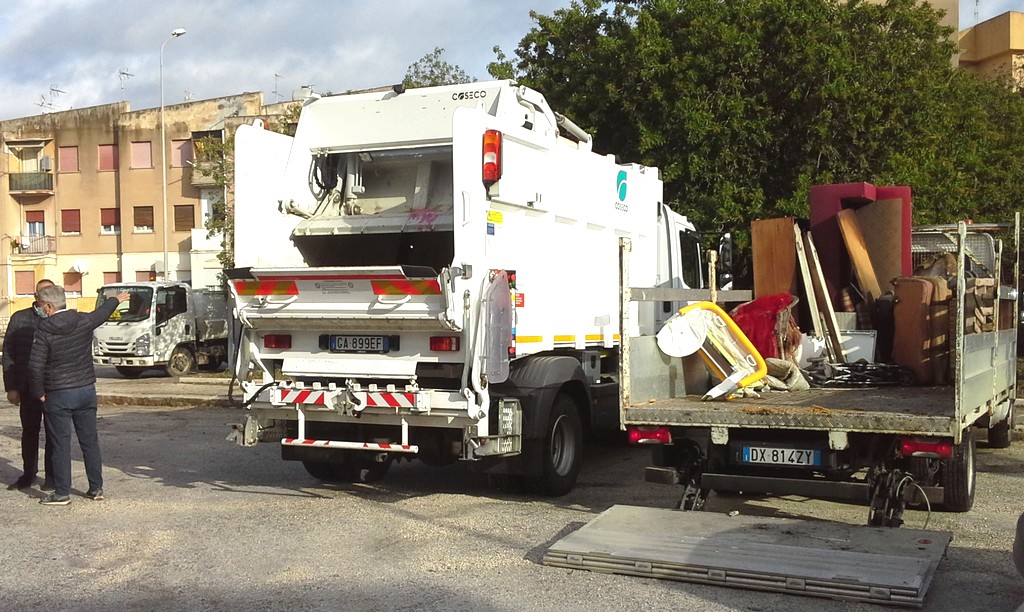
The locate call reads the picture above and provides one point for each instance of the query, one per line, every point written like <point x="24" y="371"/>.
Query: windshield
<point x="135" y="308"/>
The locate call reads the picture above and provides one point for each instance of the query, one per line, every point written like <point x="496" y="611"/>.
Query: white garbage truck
<point x="432" y="273"/>
<point x="166" y="326"/>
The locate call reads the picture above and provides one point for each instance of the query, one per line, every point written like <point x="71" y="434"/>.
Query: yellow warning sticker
<point x="495" y="216"/>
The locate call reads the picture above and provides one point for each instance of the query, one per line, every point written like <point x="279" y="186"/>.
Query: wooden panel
<point x="819" y="558"/>
<point x="774" y="256"/>
<point x="880" y="224"/>
<point x="862" y="266"/>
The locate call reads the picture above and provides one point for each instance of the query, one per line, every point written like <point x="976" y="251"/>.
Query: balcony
<point x="30" y="182"/>
<point x="34" y="245"/>
<point x="199" y="179"/>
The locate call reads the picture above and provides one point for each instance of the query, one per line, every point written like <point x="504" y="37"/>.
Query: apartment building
<point x="81" y="200"/>
<point x="995" y="48"/>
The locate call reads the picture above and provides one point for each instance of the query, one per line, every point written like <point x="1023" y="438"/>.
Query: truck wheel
<point x="999" y="434"/>
<point x="563" y="447"/>
<point x="130" y="371"/>
<point x="958" y="476"/>
<point x="180" y="363"/>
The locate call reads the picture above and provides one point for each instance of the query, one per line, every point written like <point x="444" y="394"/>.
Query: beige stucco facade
<point x="63" y="175"/>
<point x="995" y="48"/>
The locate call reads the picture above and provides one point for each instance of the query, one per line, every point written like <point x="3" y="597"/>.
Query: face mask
<point x="39" y="311"/>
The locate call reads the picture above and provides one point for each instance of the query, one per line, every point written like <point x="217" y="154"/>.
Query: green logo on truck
<point x="620" y="188"/>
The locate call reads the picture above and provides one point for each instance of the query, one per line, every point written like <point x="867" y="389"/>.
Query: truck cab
<point x="163" y="325"/>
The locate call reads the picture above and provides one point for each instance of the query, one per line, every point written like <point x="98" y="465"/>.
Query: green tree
<point x="744" y="105"/>
<point x="431" y="70"/>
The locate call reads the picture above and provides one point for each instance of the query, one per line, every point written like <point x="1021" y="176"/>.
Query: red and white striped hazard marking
<point x="369" y="446"/>
<point x="302" y="396"/>
<point x="391" y="400"/>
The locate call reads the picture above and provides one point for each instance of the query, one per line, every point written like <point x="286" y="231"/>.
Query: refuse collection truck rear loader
<point x="432" y="273"/>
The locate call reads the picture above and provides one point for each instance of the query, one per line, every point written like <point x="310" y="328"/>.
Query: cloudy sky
<point x="63" y="54"/>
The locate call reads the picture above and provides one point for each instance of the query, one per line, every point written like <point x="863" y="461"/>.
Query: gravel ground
<point x="192" y="522"/>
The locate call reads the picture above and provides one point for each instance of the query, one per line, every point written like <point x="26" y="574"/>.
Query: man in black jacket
<point x="17" y="347"/>
<point x="61" y="375"/>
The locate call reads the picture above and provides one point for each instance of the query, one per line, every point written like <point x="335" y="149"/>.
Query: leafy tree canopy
<point x="431" y="70"/>
<point x="744" y="105"/>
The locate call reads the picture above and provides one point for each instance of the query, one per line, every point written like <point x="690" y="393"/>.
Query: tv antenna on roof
<point x="123" y="75"/>
<point x="56" y="91"/>
<point x="276" y="92"/>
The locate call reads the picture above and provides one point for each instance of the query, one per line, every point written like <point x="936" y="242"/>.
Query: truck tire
<point x="130" y="371"/>
<point x="958" y="476"/>
<point x="180" y="363"/>
<point x="563" y="447"/>
<point x="999" y="434"/>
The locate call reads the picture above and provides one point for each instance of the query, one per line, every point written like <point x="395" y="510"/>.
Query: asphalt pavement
<point x="154" y="388"/>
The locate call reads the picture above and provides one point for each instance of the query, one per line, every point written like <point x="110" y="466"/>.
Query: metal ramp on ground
<point x="802" y="557"/>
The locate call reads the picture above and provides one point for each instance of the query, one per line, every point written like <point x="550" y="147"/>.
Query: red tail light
<point x="277" y="341"/>
<point x="444" y="343"/>
<point x="926" y="447"/>
<point x="650" y="435"/>
<point x="492" y="157"/>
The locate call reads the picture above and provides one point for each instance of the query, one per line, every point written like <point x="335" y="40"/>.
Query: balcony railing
<point x="34" y="245"/>
<point x="198" y="178"/>
<point x="30" y="181"/>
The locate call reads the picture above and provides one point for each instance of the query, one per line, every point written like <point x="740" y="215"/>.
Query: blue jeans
<point x="75" y="409"/>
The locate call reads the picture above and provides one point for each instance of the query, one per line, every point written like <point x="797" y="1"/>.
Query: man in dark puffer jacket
<point x="17" y="347"/>
<point x="61" y="374"/>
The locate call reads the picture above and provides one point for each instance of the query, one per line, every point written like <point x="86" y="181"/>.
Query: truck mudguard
<point x="535" y="381"/>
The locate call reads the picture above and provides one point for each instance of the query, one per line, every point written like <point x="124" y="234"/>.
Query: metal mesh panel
<point x="927" y="246"/>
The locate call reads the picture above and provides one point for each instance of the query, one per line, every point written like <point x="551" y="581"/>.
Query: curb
<point x="176" y="402"/>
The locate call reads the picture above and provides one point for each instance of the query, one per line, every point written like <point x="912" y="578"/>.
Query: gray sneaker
<point x="55" y="500"/>
<point x="94" y="494"/>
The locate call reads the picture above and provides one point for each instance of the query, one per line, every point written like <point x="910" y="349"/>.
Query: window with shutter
<point x="71" y="221"/>
<point x="143" y="219"/>
<point x="73" y="283"/>
<point x="107" y="157"/>
<point x="35" y="222"/>
<point x="25" y="282"/>
<point x="142" y="154"/>
<point x="184" y="217"/>
<point x="181" y="153"/>
<point x="67" y="159"/>
<point x="110" y="221"/>
<point x="111" y="277"/>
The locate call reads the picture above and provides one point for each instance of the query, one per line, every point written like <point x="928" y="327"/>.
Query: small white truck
<point x="432" y="273"/>
<point x="163" y="325"/>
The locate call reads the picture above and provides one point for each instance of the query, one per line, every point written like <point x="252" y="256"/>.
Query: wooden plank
<point x="825" y="310"/>
<point x="862" y="266"/>
<point x="774" y="256"/>
<point x="812" y="302"/>
<point x="817" y="558"/>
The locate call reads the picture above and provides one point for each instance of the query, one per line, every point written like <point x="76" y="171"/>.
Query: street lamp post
<point x="163" y="143"/>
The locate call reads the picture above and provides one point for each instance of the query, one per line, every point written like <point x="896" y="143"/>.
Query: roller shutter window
<point x="184" y="217"/>
<point x="71" y="221"/>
